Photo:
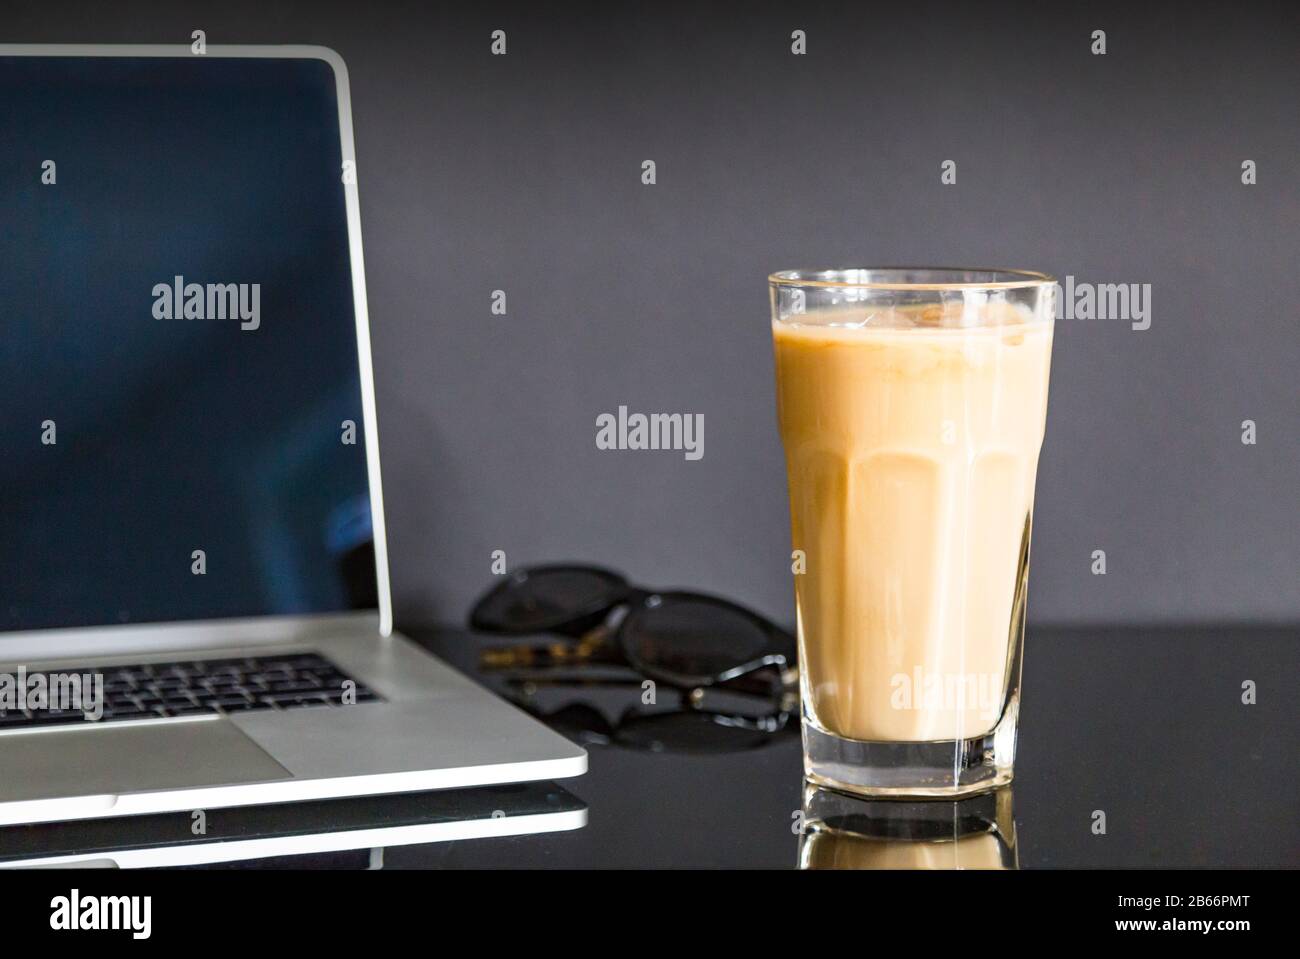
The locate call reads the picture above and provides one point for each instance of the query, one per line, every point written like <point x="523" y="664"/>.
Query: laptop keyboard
<point x="192" y="687"/>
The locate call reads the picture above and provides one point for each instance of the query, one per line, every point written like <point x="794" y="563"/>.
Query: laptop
<point x="195" y="608"/>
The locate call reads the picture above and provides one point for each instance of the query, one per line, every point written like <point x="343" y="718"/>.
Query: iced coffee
<point x="912" y="406"/>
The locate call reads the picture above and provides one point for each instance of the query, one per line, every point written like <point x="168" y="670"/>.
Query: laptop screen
<point x="181" y="432"/>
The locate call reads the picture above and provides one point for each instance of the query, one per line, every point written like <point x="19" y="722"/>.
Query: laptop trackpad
<point x="130" y="757"/>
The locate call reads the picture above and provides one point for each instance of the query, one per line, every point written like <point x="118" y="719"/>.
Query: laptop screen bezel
<point x="361" y="313"/>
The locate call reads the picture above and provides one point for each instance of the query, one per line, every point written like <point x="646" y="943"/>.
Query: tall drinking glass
<point x="912" y="404"/>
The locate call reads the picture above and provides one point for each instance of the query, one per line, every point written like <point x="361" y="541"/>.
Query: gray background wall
<point x="522" y="173"/>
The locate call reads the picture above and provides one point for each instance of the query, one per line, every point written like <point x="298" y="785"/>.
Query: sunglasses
<point x="683" y="639"/>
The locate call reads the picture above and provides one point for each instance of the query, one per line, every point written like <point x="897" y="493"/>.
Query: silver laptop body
<point x="425" y="727"/>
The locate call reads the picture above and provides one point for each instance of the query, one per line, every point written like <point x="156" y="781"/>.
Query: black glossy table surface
<point x="1146" y="725"/>
<point x="1145" y="728"/>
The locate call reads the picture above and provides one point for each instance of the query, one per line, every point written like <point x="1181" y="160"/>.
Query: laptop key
<point x="110" y="714"/>
<point x="235" y="707"/>
<point x="182" y="705"/>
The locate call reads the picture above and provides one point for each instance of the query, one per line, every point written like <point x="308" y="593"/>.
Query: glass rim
<point x="858" y="278"/>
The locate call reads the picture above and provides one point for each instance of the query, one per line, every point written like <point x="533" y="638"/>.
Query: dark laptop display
<point x="181" y="430"/>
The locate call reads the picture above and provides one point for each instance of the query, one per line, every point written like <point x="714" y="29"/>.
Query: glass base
<point x="946" y="769"/>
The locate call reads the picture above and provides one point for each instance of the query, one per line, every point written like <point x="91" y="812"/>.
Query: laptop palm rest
<point x="85" y="769"/>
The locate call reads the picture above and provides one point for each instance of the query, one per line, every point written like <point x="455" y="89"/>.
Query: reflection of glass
<point x="844" y="832"/>
<point x="911" y="404"/>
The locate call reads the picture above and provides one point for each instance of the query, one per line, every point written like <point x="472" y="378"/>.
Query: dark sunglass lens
<point x="537" y="600"/>
<point x="692" y="638"/>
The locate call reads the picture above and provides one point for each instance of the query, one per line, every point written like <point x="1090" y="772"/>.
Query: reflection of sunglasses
<point x="684" y="730"/>
<point x="687" y="640"/>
